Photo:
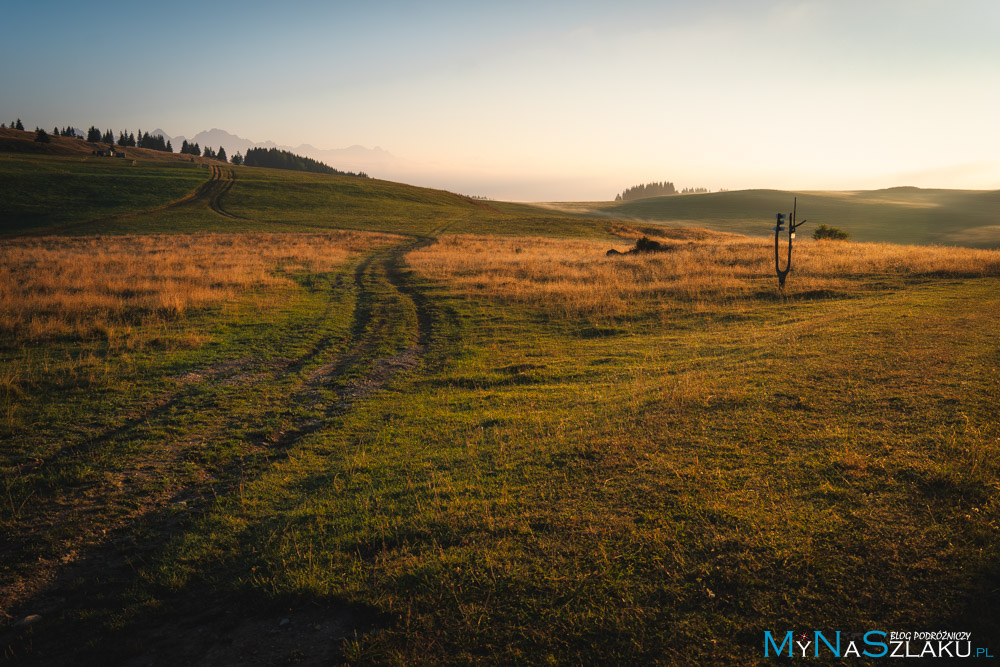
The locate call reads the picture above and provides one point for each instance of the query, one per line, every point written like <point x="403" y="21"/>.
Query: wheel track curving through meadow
<point x="393" y="325"/>
<point x="220" y="181"/>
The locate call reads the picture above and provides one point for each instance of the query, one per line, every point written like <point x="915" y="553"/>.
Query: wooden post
<point x="792" y="224"/>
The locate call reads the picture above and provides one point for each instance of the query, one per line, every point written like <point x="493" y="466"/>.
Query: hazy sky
<point x="542" y="100"/>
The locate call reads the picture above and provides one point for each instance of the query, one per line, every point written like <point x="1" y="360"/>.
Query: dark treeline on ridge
<point x="95" y="135"/>
<point x="662" y="189"/>
<point x="279" y="159"/>
<point x="255" y="157"/>
<point x="647" y="190"/>
<point x="126" y="139"/>
<point x="190" y="149"/>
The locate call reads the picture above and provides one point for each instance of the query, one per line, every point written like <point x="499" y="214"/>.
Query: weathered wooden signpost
<point x="778" y="228"/>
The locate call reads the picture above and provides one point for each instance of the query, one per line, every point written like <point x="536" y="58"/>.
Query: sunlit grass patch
<point x="575" y="278"/>
<point x="79" y="287"/>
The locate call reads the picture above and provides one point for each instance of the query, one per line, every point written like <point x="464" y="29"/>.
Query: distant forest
<point x="279" y="159"/>
<point x="655" y="190"/>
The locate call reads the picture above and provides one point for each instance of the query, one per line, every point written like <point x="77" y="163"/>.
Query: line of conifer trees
<point x="190" y="149"/>
<point x="655" y="190"/>
<point x="209" y="152"/>
<point x="255" y="157"/>
<point x="94" y="135"/>
<point x="647" y="190"/>
<point x="279" y="159"/>
<point x="138" y="140"/>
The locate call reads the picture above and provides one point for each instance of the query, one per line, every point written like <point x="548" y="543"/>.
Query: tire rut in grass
<point x="219" y="182"/>
<point x="392" y="326"/>
<point x="385" y="292"/>
<point x="86" y="514"/>
<point x="222" y="181"/>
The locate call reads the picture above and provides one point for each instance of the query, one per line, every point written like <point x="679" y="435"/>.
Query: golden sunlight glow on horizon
<point x="575" y="101"/>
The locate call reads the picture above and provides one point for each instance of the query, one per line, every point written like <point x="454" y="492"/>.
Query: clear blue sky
<point x="542" y="100"/>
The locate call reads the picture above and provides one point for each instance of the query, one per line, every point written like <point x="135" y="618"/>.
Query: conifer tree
<point x="279" y="159"/>
<point x="19" y="125"/>
<point x="221" y="155"/>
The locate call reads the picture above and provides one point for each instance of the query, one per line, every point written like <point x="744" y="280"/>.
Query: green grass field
<point x="897" y="215"/>
<point x="45" y="192"/>
<point x="89" y="195"/>
<point x="358" y="462"/>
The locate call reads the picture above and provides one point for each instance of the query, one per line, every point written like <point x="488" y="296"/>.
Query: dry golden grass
<point x="574" y="278"/>
<point x="79" y="287"/>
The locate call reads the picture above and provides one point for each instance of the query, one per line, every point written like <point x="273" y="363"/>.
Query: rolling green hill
<point x="339" y="447"/>
<point x="897" y="215"/>
<point x="61" y="188"/>
<point x="45" y="191"/>
<point x="82" y="194"/>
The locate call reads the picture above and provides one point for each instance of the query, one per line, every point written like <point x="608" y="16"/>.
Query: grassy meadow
<point x="73" y="288"/>
<point x="895" y="215"/>
<point x="310" y="419"/>
<point x="74" y="195"/>
<point x="55" y="191"/>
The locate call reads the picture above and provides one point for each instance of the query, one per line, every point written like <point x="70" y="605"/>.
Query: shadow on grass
<point x="101" y="610"/>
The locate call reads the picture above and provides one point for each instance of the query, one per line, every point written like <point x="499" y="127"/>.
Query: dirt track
<point x="121" y="524"/>
<point x="220" y="181"/>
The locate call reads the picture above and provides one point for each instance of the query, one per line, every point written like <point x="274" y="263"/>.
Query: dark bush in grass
<point x="832" y="233"/>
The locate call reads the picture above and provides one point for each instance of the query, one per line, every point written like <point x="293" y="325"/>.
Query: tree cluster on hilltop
<point x="209" y="152"/>
<point x="190" y="149"/>
<point x="662" y="189"/>
<point x="157" y="143"/>
<point x="125" y="139"/>
<point x="279" y="159"/>
<point x="645" y="190"/>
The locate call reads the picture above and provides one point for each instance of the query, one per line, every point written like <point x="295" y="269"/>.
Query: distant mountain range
<point x="353" y="158"/>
